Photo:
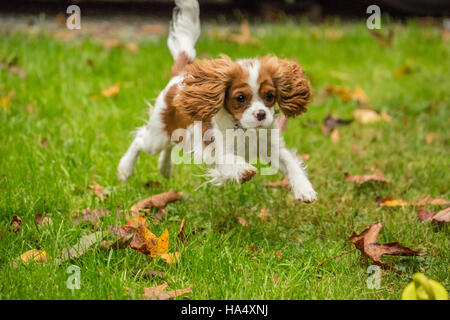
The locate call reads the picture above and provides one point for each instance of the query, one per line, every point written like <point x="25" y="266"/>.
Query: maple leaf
<point x="376" y="175"/>
<point x="366" y="242"/>
<point x="160" y="293"/>
<point x="180" y="234"/>
<point x="243" y="222"/>
<point x="384" y="41"/>
<point x="159" y="201"/>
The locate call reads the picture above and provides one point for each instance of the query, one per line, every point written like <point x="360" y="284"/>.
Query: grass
<point x="86" y="138"/>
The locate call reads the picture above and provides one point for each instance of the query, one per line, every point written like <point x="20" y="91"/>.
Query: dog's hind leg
<point x="148" y="140"/>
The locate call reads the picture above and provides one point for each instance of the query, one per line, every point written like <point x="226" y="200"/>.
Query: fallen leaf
<point x="263" y="214"/>
<point x="243" y="222"/>
<point x="278" y="254"/>
<point x="369" y="115"/>
<point x="331" y="122"/>
<point x="98" y="190"/>
<point x="111" y="43"/>
<point x="334" y="34"/>
<point x="275" y="278"/>
<point x="429" y="201"/>
<point x="389" y="202"/>
<point x="405" y="69"/>
<point x="118" y="237"/>
<point x="180" y="234"/>
<point x="15" y="224"/>
<point x="33" y="255"/>
<point x="137" y="221"/>
<point x="347" y="94"/>
<point x="152" y="184"/>
<point x="42" y="221"/>
<point x="159" y="201"/>
<point x="108" y="92"/>
<point x="278" y="184"/>
<point x="383" y="40"/>
<point x="160" y="293"/>
<point x="376" y="175"/>
<point x="431" y="137"/>
<point x="170" y="257"/>
<point x="366" y="243"/>
<point x="132" y="47"/>
<point x="442" y="216"/>
<point x="335" y="136"/>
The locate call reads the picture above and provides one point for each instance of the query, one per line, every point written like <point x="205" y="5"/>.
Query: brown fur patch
<point x="204" y="87"/>
<point x="180" y="63"/>
<point x="239" y="86"/>
<point x="293" y="89"/>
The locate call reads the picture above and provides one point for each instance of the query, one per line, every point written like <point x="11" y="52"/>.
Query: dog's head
<point x="247" y="89"/>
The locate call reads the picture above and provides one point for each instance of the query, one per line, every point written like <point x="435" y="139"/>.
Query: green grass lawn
<point x="85" y="139"/>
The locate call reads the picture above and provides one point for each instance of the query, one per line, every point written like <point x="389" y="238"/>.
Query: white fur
<point x="184" y="29"/>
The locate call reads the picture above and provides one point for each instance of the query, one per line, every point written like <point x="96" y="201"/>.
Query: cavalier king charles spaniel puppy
<point x="224" y="95"/>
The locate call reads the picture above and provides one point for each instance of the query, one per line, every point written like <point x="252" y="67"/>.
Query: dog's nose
<point x="260" y="115"/>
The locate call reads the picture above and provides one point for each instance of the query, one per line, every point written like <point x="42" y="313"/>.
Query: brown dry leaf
<point x="152" y="184"/>
<point x="385" y="41"/>
<point x="159" y="201"/>
<point x="275" y="278"/>
<point x="111" y="91"/>
<point x="42" y="221"/>
<point x="15" y="224"/>
<point x="278" y="184"/>
<point x="335" y="136"/>
<point x="376" y="175"/>
<point x="431" y="137"/>
<point x="4" y="102"/>
<point x="243" y="37"/>
<point x="98" y="190"/>
<point x="369" y="115"/>
<point x="132" y="47"/>
<point x="160" y="293"/>
<point x="334" y="34"/>
<point x="243" y="222"/>
<point x="111" y="43"/>
<point x="263" y="214"/>
<point x="366" y="242"/>
<point x="331" y="122"/>
<point x="180" y="234"/>
<point x="119" y="237"/>
<point x="347" y="94"/>
<point x="13" y="68"/>
<point x="278" y="254"/>
<point x="34" y="255"/>
<point x="442" y="216"/>
<point x="434" y="202"/>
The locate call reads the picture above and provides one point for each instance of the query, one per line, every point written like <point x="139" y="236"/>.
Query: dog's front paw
<point x="246" y="173"/>
<point x="307" y="195"/>
<point x="125" y="169"/>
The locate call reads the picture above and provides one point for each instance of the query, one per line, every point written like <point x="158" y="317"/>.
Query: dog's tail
<point x="183" y="33"/>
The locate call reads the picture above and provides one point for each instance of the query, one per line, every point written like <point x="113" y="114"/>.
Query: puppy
<point x="225" y="96"/>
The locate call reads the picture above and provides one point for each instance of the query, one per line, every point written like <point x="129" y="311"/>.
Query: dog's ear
<point x="203" y="90"/>
<point x="294" y="91"/>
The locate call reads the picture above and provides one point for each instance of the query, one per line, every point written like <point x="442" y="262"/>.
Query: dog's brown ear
<point x="294" y="91"/>
<point x="202" y="92"/>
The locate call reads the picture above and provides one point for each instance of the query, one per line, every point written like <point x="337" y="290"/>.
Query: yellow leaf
<point x="394" y="203"/>
<point x="162" y="245"/>
<point x="34" y="255"/>
<point x="112" y="91"/>
<point x="170" y="257"/>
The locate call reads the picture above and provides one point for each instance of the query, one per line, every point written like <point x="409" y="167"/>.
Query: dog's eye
<point x="270" y="97"/>
<point x="240" y="98"/>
